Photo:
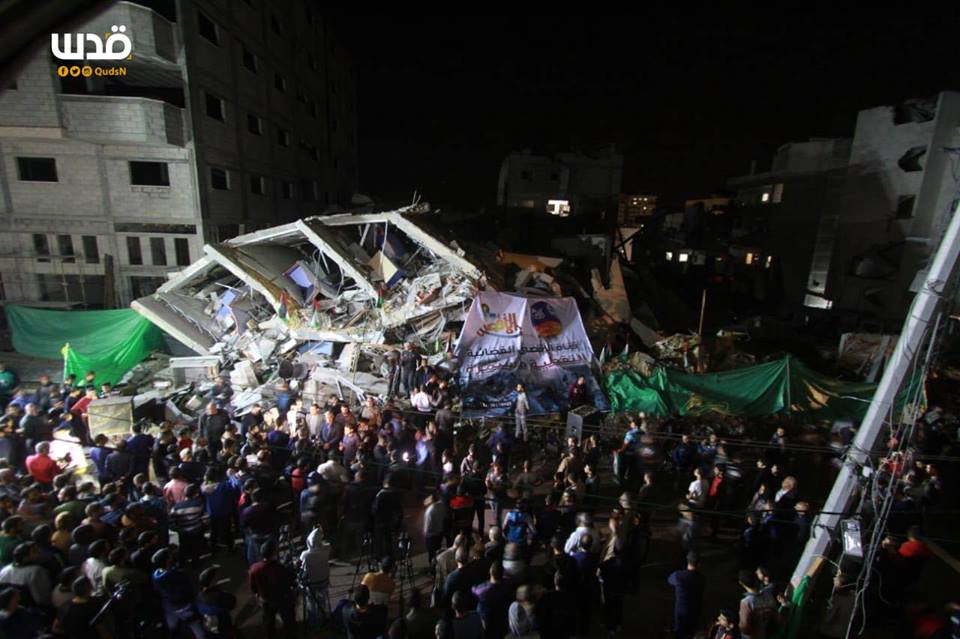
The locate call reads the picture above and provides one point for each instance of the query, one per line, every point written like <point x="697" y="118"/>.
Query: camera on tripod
<point x="404" y="544"/>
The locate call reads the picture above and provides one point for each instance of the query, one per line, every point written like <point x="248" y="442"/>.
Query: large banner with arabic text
<point x="539" y="342"/>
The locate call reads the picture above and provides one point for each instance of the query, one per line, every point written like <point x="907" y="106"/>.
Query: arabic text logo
<point x="67" y="47"/>
<point x="502" y="324"/>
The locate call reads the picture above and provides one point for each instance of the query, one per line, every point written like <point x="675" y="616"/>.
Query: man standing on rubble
<point x="393" y="373"/>
<point x="213" y="424"/>
<point x="408" y="367"/>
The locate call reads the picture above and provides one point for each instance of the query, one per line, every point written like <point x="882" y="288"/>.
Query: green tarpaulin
<point x="108" y="342"/>
<point x="755" y="391"/>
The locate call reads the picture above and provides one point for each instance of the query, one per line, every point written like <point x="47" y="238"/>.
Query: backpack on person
<point x="515" y="529"/>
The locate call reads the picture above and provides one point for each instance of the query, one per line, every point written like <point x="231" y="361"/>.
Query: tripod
<point x="403" y="571"/>
<point x="366" y="557"/>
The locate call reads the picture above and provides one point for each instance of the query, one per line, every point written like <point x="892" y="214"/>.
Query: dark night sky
<point x="689" y="99"/>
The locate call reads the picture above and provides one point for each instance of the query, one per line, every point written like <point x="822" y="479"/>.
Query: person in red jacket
<point x="44" y="468"/>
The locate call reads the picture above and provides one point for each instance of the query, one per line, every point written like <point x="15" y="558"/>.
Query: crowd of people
<point x="517" y="544"/>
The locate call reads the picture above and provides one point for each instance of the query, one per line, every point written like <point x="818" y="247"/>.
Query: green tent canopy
<point x="108" y="342"/>
<point x="773" y="387"/>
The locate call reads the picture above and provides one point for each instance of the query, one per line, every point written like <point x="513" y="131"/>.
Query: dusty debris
<point x="319" y="303"/>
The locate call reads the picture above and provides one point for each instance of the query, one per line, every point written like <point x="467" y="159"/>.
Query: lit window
<point x="558" y="207"/>
<point x="815" y="301"/>
<point x="765" y="197"/>
<point x="749" y="258"/>
<point x="684" y="257"/>
<point x="769" y="261"/>
<point x="528" y="204"/>
<point x="669" y="256"/>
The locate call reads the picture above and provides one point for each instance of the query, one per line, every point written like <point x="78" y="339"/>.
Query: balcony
<point x="115" y="119"/>
<point x="153" y="36"/>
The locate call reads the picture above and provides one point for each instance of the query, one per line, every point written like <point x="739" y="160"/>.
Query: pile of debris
<point x="318" y="303"/>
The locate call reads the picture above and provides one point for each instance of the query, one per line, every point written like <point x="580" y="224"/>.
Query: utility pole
<point x="920" y="318"/>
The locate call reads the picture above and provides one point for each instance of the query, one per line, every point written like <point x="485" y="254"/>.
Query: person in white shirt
<point x="333" y="471"/>
<point x="421" y="400"/>
<point x="698" y="490"/>
<point x="94" y="565"/>
<point x="584" y="528"/>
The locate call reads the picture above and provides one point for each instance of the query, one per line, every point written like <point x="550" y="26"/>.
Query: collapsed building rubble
<point x="319" y="303"/>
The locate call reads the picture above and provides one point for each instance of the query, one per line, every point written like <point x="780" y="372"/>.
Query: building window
<point x="65" y="247"/>
<point x="749" y="259"/>
<point x="275" y="25"/>
<point x="149" y="174"/>
<point x="778" y="193"/>
<point x="527" y="204"/>
<point x="905" y="207"/>
<point x="12" y="86"/>
<point x="765" y="197"/>
<point x="207" y="28"/>
<point x="558" y="207"/>
<point x="91" y="252"/>
<point x="279" y="83"/>
<point x="249" y="59"/>
<point x="911" y="161"/>
<point x="254" y="124"/>
<point x="214" y="107"/>
<point x="41" y="247"/>
<point x="133" y="250"/>
<point x="182" y="247"/>
<point x="283" y="137"/>
<point x="37" y="169"/>
<point x="158" y="251"/>
<point x="669" y="256"/>
<point x="683" y="258"/>
<point x="219" y="179"/>
<point x="258" y="185"/>
<point x="286" y="191"/>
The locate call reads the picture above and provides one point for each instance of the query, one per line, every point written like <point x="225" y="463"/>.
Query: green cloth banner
<point x="777" y="386"/>
<point x="108" y="342"/>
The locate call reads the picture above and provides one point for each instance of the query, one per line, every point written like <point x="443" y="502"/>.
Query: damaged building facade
<point x="325" y="298"/>
<point x="231" y="117"/>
